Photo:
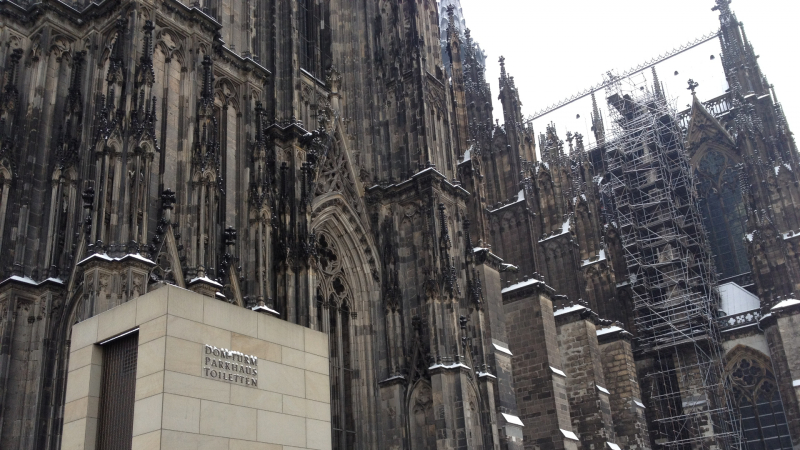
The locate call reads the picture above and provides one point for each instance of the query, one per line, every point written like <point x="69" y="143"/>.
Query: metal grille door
<point x="117" y="393"/>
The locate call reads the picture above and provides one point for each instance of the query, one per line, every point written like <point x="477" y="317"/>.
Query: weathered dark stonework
<point x="540" y="382"/>
<point x="589" y="399"/>
<point x="339" y="165"/>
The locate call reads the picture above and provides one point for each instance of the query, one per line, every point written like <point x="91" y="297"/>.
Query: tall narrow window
<point x="723" y="212"/>
<point x="342" y="417"/>
<point x="117" y="393"/>
<point x="315" y="36"/>
<point x="333" y="317"/>
<point x="309" y="36"/>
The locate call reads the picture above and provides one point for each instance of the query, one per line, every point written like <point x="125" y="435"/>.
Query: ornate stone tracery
<point x="757" y="399"/>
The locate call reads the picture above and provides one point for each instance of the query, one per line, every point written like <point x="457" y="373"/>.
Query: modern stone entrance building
<point x="173" y="369"/>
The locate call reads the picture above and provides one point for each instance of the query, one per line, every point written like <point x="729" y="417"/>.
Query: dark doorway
<point x="117" y="393"/>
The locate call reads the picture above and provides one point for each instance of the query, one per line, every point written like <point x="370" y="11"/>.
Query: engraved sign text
<point x="231" y="366"/>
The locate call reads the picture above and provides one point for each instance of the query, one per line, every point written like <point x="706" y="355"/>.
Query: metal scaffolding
<point x="670" y="272"/>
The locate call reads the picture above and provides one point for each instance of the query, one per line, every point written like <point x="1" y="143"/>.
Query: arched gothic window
<point x="756" y="397"/>
<point x="334" y="300"/>
<point x="723" y="212"/>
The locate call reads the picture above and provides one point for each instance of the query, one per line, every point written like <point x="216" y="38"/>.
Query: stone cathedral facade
<point x="337" y="164"/>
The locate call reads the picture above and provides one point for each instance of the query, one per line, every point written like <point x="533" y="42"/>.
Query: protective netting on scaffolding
<point x="669" y="269"/>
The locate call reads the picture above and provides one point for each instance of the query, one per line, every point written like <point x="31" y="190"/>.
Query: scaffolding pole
<point x="651" y="185"/>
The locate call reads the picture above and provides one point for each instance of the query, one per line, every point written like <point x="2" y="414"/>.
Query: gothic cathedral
<point x="337" y="164"/>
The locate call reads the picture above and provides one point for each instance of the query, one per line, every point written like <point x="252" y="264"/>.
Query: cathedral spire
<point x="724" y="8"/>
<point x="597" y="123"/>
<point x="146" y="59"/>
<point x="117" y="59"/>
<point x="657" y="84"/>
<point x="738" y="58"/>
<point x="207" y="92"/>
<point x="67" y="149"/>
<point x="147" y="47"/>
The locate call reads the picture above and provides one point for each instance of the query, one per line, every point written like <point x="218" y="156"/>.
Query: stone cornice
<point x="426" y="178"/>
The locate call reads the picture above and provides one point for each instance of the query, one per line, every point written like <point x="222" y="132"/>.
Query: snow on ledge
<point x="96" y="255"/>
<point x="796" y="383"/>
<point x="613" y="446"/>
<point x="569" y="435"/>
<point x="602" y="389"/>
<point x="514" y="420"/>
<point x="612" y="329"/>
<point x="205" y="280"/>
<point x="558" y="372"/>
<point x="265" y="309"/>
<point x="105" y="257"/>
<point x="448" y="366"/>
<point x="639" y="404"/>
<point x="25" y="280"/>
<point x="601" y="256"/>
<point x="520" y="285"/>
<point x="785" y="304"/>
<point x="569" y="309"/>
<point x="502" y="349"/>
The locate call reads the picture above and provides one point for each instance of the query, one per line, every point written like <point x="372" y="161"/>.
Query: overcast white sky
<point x="555" y="48"/>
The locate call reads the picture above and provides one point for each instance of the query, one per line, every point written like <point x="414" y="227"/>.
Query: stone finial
<point x="692" y="86"/>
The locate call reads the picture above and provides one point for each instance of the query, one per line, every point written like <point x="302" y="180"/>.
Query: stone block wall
<point x="177" y="405"/>
<point x="619" y="369"/>
<point x="586" y="386"/>
<point x="539" y="380"/>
